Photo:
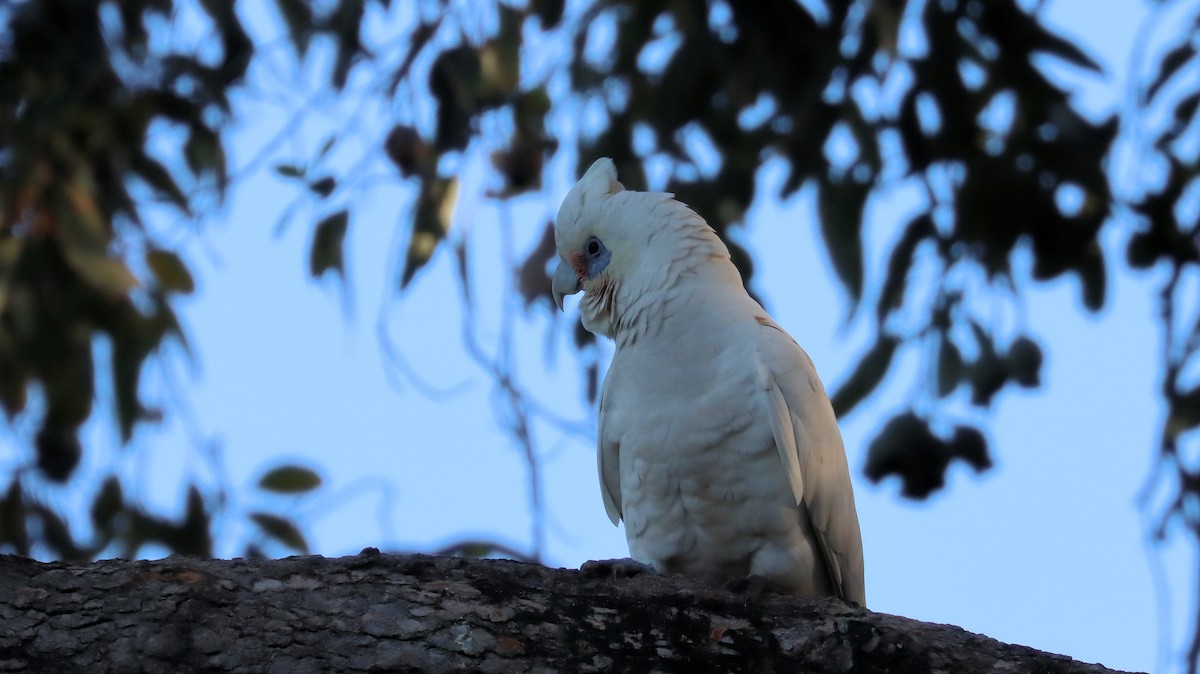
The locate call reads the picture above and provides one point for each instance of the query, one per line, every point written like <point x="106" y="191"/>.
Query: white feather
<point x="717" y="445"/>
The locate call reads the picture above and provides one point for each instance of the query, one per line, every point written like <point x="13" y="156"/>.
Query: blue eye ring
<point x="593" y="248"/>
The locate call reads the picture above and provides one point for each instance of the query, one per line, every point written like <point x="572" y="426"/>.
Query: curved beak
<point x="565" y="282"/>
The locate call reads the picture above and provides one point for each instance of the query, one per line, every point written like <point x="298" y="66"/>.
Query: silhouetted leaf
<point x="1169" y="65"/>
<point x="900" y="263"/>
<point x="281" y="530"/>
<point x="323" y="186"/>
<point x="1093" y="278"/>
<point x="327" y="247"/>
<point x="1024" y="361"/>
<point x="549" y="12"/>
<point x="298" y="16"/>
<point x="290" y="171"/>
<point x="841" y="207"/>
<point x="1184" y="413"/>
<point x="949" y="368"/>
<point x="58" y="451"/>
<point x="408" y="152"/>
<point x="204" y="154"/>
<point x="866" y="376"/>
<point x="158" y="178"/>
<point x="12" y="519"/>
<point x="290" y="480"/>
<point x="109" y="501"/>
<point x="969" y="445"/>
<point x="908" y="449"/>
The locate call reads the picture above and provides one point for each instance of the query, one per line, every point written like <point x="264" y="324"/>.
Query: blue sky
<point x="1048" y="549"/>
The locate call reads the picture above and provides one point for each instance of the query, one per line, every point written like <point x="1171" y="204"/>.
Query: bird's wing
<point x="810" y="446"/>
<point x="608" y="450"/>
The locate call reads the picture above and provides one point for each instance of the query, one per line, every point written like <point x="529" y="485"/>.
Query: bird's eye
<point x="593" y="247"/>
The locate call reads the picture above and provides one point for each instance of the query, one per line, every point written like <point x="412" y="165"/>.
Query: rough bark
<point x="446" y="614"/>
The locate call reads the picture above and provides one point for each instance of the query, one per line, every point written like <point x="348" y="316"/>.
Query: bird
<point x="716" y="443"/>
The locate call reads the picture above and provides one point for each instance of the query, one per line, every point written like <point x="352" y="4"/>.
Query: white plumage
<point x="717" y="444"/>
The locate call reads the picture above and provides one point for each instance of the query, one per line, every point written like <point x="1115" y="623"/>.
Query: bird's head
<point x="595" y="246"/>
<point x="621" y="247"/>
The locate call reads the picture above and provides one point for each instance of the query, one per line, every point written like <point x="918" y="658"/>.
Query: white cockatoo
<point x="717" y="444"/>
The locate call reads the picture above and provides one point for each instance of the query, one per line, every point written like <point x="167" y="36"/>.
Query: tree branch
<point x="446" y="614"/>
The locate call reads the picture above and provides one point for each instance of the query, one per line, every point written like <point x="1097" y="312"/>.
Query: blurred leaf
<point x="454" y="82"/>
<point x="988" y="372"/>
<point x="1170" y="64"/>
<point x="290" y="480"/>
<point x="281" y="530"/>
<point x="1092" y="276"/>
<point x="1024" y="362"/>
<point x="158" y="178"/>
<point x="346" y="22"/>
<point x="1184" y="413"/>
<point x="323" y="186"/>
<point x="109" y="501"/>
<point x="56" y="534"/>
<point x="969" y="445"/>
<point x="193" y="537"/>
<point x="533" y="280"/>
<point x="12" y="519"/>
<point x="327" y="246"/>
<point x="408" y="152"/>
<point x="866" y="376"/>
<point x="169" y="271"/>
<point x="549" y="12"/>
<point x="949" y="368"/>
<point x="290" y="171"/>
<point x="107" y="275"/>
<point x="204" y="154"/>
<point x="298" y="16"/>
<point x="900" y="264"/>
<point x="841" y="207"/>
<point x="1057" y="46"/>
<point x="431" y="223"/>
<point x="58" y="451"/>
<point x="908" y="449"/>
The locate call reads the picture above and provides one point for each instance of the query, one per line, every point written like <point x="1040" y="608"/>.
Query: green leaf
<point x="866" y="376"/>
<point x="841" y="207"/>
<point x="327" y="247"/>
<point x="281" y="529"/>
<point x="170" y="272"/>
<point x="290" y="480"/>
<point x="108" y="276"/>
<point x="431" y="223"/>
